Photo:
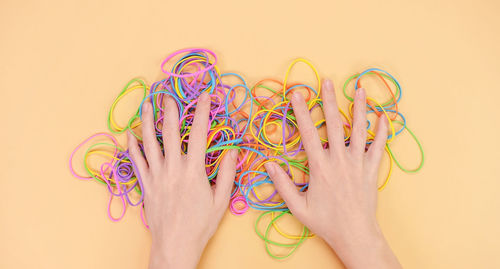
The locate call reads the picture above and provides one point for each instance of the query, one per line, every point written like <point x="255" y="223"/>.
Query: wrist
<point x="354" y="234"/>
<point x="363" y="247"/>
<point x="172" y="253"/>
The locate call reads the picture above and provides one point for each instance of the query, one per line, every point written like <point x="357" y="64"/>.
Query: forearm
<point x="365" y="248"/>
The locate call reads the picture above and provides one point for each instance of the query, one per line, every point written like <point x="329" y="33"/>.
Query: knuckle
<point x="308" y="132"/>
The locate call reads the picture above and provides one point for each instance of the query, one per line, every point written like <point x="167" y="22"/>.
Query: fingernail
<point x="384" y="118"/>
<point x="234" y="153"/>
<point x="204" y="97"/>
<point x="327" y="83"/>
<point x="297" y="96"/>
<point x="145" y="107"/>
<point x="269" y="168"/>
<point x="360" y="92"/>
<point x="168" y="98"/>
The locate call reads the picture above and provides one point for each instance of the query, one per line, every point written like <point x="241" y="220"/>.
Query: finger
<point x="358" y="136"/>
<point x="334" y="125"/>
<point x="151" y="146"/>
<point x="308" y="132"/>
<point x="286" y="188"/>
<point x="197" y="144"/>
<point x="171" y="135"/>
<point x="140" y="165"/>
<point x="225" y="178"/>
<point x="378" y="145"/>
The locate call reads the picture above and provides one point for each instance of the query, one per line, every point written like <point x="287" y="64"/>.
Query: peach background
<point x="63" y="62"/>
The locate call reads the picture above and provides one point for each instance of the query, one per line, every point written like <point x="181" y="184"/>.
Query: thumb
<point x="286" y="188"/>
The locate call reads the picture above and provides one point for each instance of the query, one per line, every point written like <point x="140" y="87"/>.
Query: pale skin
<point x="183" y="211"/>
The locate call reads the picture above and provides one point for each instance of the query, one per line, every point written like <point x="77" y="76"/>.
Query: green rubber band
<point x="422" y="156"/>
<point x="267" y="241"/>
<point x="121" y="95"/>
<point x="392" y="100"/>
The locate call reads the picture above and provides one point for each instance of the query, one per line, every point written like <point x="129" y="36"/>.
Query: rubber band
<point x="257" y="120"/>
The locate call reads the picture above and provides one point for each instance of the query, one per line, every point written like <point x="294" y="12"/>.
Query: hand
<point x="182" y="210"/>
<point x="341" y="199"/>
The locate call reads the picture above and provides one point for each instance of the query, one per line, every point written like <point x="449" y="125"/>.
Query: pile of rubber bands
<point x="257" y="120"/>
